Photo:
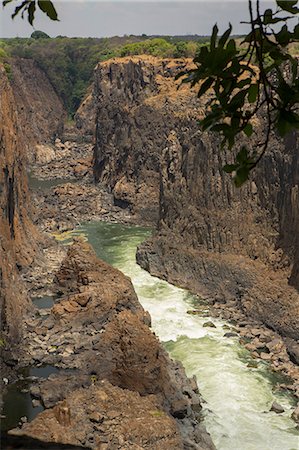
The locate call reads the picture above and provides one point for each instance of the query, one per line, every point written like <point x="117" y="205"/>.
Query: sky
<point x="87" y="18"/>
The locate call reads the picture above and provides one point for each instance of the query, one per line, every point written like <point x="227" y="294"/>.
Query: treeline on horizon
<point x="69" y="62"/>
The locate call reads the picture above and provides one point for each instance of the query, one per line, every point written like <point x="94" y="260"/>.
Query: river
<point x="238" y="397"/>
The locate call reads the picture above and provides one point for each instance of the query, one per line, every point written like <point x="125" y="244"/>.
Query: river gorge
<point x="147" y="303"/>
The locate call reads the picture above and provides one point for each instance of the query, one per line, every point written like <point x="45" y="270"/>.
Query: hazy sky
<point x="88" y="18"/>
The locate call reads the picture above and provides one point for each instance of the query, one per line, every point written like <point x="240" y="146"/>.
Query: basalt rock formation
<point x="17" y="234"/>
<point x="41" y="113"/>
<point x="137" y="106"/>
<point x="85" y="116"/>
<point x="221" y="242"/>
<point x="121" y="389"/>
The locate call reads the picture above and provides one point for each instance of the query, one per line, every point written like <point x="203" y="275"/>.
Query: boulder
<point x="44" y="154"/>
<point x="277" y="408"/>
<point x="93" y="289"/>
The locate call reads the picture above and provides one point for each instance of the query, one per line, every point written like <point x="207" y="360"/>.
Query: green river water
<point x="238" y="398"/>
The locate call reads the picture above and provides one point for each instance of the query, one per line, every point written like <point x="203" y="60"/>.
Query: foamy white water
<point x="238" y="398"/>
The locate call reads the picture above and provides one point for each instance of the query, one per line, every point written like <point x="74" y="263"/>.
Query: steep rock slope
<point x="137" y="106"/>
<point x="214" y="239"/>
<point x="85" y="117"/>
<point x="17" y="234"/>
<point x="41" y="112"/>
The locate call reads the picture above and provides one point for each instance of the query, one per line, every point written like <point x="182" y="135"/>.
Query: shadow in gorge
<point x="22" y="442"/>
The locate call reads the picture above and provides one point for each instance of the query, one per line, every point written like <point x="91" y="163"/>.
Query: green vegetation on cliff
<point x="69" y="62"/>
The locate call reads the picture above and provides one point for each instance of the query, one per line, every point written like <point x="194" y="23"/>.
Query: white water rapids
<point x="238" y="398"/>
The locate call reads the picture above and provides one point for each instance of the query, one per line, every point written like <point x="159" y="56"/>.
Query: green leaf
<point x="296" y="33"/>
<point x="252" y="93"/>
<point x="205" y="86"/>
<point x="47" y="7"/>
<point x="31" y="11"/>
<point x="229" y="168"/>
<point x="214" y="37"/>
<point x="225" y="36"/>
<point x="244" y="83"/>
<point x="248" y="38"/>
<point x="284" y="36"/>
<point x="237" y="100"/>
<point x="288" y="5"/>
<point x="19" y="8"/>
<point x="231" y="46"/>
<point x="241" y="176"/>
<point x="286" y="121"/>
<point x="242" y="156"/>
<point x="268" y="16"/>
<point x="248" y="130"/>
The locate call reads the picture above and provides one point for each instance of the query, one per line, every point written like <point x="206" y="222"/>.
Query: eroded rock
<point x="106" y="414"/>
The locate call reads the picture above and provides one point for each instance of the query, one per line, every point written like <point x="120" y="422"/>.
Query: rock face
<point x="212" y="238"/>
<point x="40" y="111"/>
<point x="121" y="374"/>
<point x="231" y="243"/>
<point x="17" y="234"/>
<point x="85" y="117"/>
<point x="137" y="106"/>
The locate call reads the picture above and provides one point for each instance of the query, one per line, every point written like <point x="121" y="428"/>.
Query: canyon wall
<point x="218" y="241"/>
<point x="17" y="234"/>
<point x="40" y="111"/>
<point x="31" y="115"/>
<point x="137" y="106"/>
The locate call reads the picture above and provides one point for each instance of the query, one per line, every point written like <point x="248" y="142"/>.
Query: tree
<point x="259" y="76"/>
<point x="39" y="35"/>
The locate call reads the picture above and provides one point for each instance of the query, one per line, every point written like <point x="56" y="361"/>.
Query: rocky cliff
<point x="217" y="240"/>
<point x="31" y="115"/>
<point x="137" y="106"/>
<point x="41" y="112"/>
<point x="17" y="235"/>
<point x="226" y="243"/>
<point x="121" y="390"/>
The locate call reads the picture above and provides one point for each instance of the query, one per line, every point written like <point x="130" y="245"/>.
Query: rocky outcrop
<point x="41" y="112"/>
<point x="85" y="117"/>
<point x="106" y="417"/>
<point x="100" y="331"/>
<point x="17" y="234"/>
<point x="137" y="106"/>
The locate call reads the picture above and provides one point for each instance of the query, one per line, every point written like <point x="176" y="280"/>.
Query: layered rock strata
<point x="227" y="243"/>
